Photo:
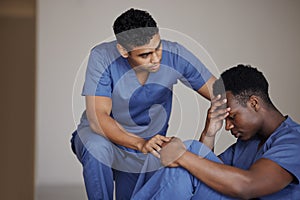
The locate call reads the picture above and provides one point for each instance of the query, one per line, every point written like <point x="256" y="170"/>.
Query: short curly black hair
<point x="243" y="81"/>
<point x="134" y="28"/>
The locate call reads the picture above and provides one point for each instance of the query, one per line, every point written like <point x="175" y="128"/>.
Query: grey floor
<point x="61" y="192"/>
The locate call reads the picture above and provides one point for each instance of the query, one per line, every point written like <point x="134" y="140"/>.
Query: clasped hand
<point x="171" y="152"/>
<point x="154" y="145"/>
<point x="168" y="149"/>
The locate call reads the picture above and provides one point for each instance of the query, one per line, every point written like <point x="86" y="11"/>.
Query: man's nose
<point x="228" y="124"/>
<point x="155" y="58"/>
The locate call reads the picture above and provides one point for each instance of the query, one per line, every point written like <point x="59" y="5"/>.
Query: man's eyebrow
<point x="146" y="53"/>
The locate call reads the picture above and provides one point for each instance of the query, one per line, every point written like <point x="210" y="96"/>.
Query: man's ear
<point x="254" y="102"/>
<point x="124" y="53"/>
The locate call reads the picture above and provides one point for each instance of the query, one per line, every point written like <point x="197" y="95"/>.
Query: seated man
<point x="262" y="164"/>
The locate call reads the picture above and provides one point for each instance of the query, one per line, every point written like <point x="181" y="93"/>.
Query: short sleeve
<point x="284" y="151"/>
<point x="193" y="72"/>
<point x="97" y="77"/>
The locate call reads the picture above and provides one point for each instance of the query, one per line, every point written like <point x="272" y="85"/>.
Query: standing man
<point x="262" y="164"/>
<point x="128" y="91"/>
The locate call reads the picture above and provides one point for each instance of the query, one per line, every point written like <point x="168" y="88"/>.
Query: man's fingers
<point x="219" y="112"/>
<point x="216" y="99"/>
<point x="221" y="116"/>
<point x="153" y="147"/>
<point x="217" y="102"/>
<point x="155" y="144"/>
<point x="155" y="153"/>
<point x="156" y="140"/>
<point x="162" y="138"/>
<point x="157" y="148"/>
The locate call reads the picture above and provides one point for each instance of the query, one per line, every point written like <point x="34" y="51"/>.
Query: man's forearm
<point x="209" y="141"/>
<point x="218" y="176"/>
<point x="115" y="133"/>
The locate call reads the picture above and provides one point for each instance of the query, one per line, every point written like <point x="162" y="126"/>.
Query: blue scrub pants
<point x="103" y="162"/>
<point x="178" y="183"/>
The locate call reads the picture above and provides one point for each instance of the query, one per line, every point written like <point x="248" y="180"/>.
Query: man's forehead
<point x="230" y="98"/>
<point x="153" y="44"/>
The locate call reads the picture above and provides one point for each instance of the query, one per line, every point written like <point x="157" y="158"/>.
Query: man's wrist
<point x="210" y="135"/>
<point x="187" y="158"/>
<point x="182" y="159"/>
<point x="207" y="133"/>
<point x="139" y="144"/>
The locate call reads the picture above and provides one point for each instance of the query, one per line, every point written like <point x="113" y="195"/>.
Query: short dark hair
<point x="134" y="28"/>
<point x="243" y="81"/>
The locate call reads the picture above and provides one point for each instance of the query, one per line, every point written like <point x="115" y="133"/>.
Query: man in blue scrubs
<point x="264" y="163"/>
<point x="128" y="90"/>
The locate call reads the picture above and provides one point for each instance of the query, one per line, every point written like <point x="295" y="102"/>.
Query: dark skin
<point x="263" y="177"/>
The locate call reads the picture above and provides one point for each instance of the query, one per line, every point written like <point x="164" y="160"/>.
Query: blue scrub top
<point x="282" y="147"/>
<point x="141" y="109"/>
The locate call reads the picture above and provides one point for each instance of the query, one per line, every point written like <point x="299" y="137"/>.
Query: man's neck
<point x="142" y="76"/>
<point x="272" y="121"/>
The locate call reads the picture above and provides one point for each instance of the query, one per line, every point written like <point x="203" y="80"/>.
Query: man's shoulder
<point x="287" y="133"/>
<point x="175" y="48"/>
<point x="293" y="124"/>
<point x="107" y="51"/>
<point x="105" y="46"/>
<point x="170" y="45"/>
<point x="288" y="127"/>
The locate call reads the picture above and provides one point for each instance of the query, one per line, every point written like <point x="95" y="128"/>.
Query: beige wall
<point x="262" y="33"/>
<point x="17" y="82"/>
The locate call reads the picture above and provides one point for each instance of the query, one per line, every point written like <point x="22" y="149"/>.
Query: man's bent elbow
<point x="95" y="127"/>
<point x="242" y="191"/>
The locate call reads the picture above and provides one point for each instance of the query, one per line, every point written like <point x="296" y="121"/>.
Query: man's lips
<point x="236" y="134"/>
<point x="153" y="67"/>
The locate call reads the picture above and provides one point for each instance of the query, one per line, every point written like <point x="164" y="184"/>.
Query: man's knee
<point x="94" y="145"/>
